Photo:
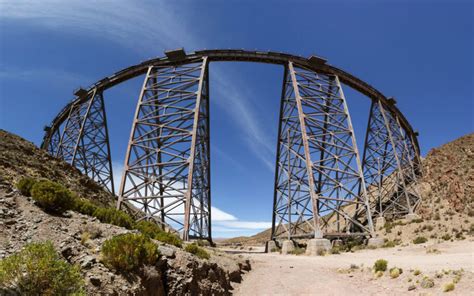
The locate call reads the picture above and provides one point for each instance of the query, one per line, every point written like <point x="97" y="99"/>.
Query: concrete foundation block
<point x="375" y="242"/>
<point x="271" y="246"/>
<point x="287" y="247"/>
<point x="318" y="246"/>
<point x="411" y="217"/>
<point x="380" y="222"/>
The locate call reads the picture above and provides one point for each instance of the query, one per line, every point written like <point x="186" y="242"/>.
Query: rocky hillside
<point x="447" y="189"/>
<point x="79" y="238"/>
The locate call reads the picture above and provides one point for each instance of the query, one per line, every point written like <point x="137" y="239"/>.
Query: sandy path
<point x="275" y="274"/>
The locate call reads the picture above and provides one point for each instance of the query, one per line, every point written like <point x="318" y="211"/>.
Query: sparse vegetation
<point x="427" y="282"/>
<point x="169" y="238"/>
<point x="127" y="252"/>
<point x="25" y="185"/>
<point x="84" y="206"/>
<point x="378" y="274"/>
<point x="446" y="237"/>
<point x="52" y="196"/>
<point x="448" y="287"/>
<point x="297" y="251"/>
<point x="198" y="251"/>
<point x="420" y="240"/>
<point x="380" y="265"/>
<point x="416" y="272"/>
<point x="113" y="216"/>
<point x="39" y="270"/>
<point x="395" y="272"/>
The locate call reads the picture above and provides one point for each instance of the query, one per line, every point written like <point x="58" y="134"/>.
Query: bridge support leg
<point x="388" y="165"/>
<point x="167" y="162"/>
<point x="316" y="142"/>
<point x="84" y="142"/>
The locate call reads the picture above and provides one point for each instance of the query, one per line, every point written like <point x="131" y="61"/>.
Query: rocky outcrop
<point x="79" y="237"/>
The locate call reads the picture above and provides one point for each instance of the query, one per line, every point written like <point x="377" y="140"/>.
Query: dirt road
<point x="275" y="274"/>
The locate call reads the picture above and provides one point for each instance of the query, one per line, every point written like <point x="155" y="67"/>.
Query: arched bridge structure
<point x="323" y="186"/>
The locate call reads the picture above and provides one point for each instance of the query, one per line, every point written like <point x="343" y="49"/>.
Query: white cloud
<point x="219" y="215"/>
<point x="222" y="221"/>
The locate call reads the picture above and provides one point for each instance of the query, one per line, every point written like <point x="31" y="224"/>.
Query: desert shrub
<point x="389" y="244"/>
<point x="84" y="206"/>
<point x="198" y="251"/>
<point x="394" y="272"/>
<point x="446" y="236"/>
<point x="297" y="251"/>
<point x="448" y="287"/>
<point x="52" y="196"/>
<point x="335" y="250"/>
<point x="129" y="251"/>
<point x="25" y="185"/>
<point x="416" y="272"/>
<point x="152" y="230"/>
<point x="420" y="240"/>
<point x="203" y="243"/>
<point x="38" y="270"/>
<point x="380" y="265"/>
<point x="114" y="216"/>
<point x="417" y="220"/>
<point x="169" y="238"/>
<point x="147" y="228"/>
<point x="427" y="282"/>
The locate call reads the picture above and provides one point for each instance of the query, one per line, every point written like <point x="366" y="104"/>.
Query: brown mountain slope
<point x="79" y="238"/>
<point x="20" y="158"/>
<point x="447" y="189"/>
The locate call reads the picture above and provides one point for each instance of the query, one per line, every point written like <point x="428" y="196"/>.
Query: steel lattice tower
<point x="167" y="162"/>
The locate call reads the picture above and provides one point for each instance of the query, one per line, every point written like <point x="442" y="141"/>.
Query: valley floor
<point x="275" y="274"/>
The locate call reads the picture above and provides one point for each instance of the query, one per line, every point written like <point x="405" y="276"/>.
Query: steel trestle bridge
<point x="323" y="186"/>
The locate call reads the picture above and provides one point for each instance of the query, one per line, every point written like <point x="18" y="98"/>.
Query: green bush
<point x="38" y="270"/>
<point x="84" y="206"/>
<point x="153" y="231"/>
<point x="198" y="251"/>
<point x="25" y="185"/>
<point x="114" y="216"/>
<point x="52" y="196"/>
<point x="148" y="228"/>
<point x="420" y="240"/>
<point x="169" y="238"/>
<point x="380" y="265"/>
<point x="297" y="251"/>
<point x="448" y="287"/>
<point x="446" y="236"/>
<point x="129" y="251"/>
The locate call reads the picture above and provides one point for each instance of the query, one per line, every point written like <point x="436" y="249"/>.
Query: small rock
<point x="95" y="280"/>
<point x="411" y="287"/>
<point x="87" y="261"/>
<point x="167" y="251"/>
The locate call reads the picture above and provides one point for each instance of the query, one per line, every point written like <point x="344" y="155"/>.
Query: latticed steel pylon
<point x="318" y="167"/>
<point x="84" y="141"/>
<point x="390" y="165"/>
<point x="167" y="168"/>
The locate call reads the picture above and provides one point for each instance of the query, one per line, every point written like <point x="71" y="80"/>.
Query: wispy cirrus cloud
<point x="144" y="27"/>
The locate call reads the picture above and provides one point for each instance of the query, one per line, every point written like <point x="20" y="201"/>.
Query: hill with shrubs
<point x="60" y="234"/>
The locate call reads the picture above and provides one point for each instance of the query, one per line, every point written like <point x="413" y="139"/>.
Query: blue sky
<point x="421" y="52"/>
